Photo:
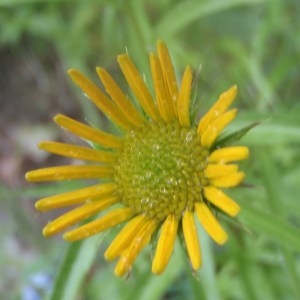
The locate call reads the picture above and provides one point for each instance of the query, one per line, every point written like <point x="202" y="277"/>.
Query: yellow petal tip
<point x="28" y="176"/>
<point x="107" y="256"/>
<point x="232" y="91"/>
<point x="99" y="70"/>
<point x="71" y="71"/>
<point x="38" y="206"/>
<point x="120" y="271"/>
<point x="234" y="87"/>
<point x="110" y="255"/>
<point x="67" y="237"/>
<point x="57" y="117"/>
<point x="223" y="240"/>
<point x="48" y="230"/>
<point x="235" y="211"/>
<point x="160" y="43"/>
<point x="156" y="270"/>
<point x="123" y="266"/>
<point x="121" y="57"/>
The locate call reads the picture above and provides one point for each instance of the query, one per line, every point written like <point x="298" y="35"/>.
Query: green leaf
<point x="236" y="135"/>
<point x="18" y="2"/>
<point x="281" y="129"/>
<point x="271" y="225"/>
<point x="208" y="272"/>
<point x="152" y="287"/>
<point x="176" y="19"/>
<point x="76" y="264"/>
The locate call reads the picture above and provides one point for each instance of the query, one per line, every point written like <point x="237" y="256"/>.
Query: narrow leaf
<point x="236" y="135"/>
<point x="76" y="264"/>
<point x="271" y="225"/>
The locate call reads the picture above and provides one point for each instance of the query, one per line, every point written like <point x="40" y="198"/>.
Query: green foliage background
<point x="252" y="43"/>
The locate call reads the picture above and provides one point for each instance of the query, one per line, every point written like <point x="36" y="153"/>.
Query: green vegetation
<point x="252" y="43"/>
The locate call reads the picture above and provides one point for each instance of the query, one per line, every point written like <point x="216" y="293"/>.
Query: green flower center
<point x="160" y="169"/>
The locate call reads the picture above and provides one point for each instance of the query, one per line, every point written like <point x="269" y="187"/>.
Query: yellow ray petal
<point x="165" y="244"/>
<point x="214" y="129"/>
<point x="100" y="99"/>
<point x="141" y="239"/>
<point x="183" y="101"/>
<point x="217" y="170"/>
<point x="218" y="108"/>
<point x="222" y="201"/>
<point x="76" y="215"/>
<point x="138" y="86"/>
<point x="109" y="220"/>
<point x="88" y="133"/>
<point x="77" y="152"/>
<point x="69" y="172"/>
<point x="210" y="223"/>
<point x="75" y="197"/>
<point x="125" y="237"/>
<point x="227" y="181"/>
<point x="120" y="98"/>
<point x="229" y="154"/>
<point x="168" y="72"/>
<point x="164" y="101"/>
<point x="191" y="239"/>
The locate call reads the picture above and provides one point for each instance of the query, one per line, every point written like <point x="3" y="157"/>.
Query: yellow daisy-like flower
<point x="157" y="176"/>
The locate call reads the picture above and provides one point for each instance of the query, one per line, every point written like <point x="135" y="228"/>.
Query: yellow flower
<point x="157" y="176"/>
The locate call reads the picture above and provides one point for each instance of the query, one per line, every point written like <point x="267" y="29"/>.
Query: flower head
<point x="160" y="175"/>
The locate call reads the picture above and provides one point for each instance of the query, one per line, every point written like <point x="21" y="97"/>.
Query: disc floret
<point x="160" y="169"/>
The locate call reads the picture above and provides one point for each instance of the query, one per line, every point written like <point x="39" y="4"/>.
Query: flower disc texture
<point x="159" y="175"/>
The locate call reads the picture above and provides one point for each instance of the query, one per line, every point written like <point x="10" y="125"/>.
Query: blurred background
<point x="252" y="43"/>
